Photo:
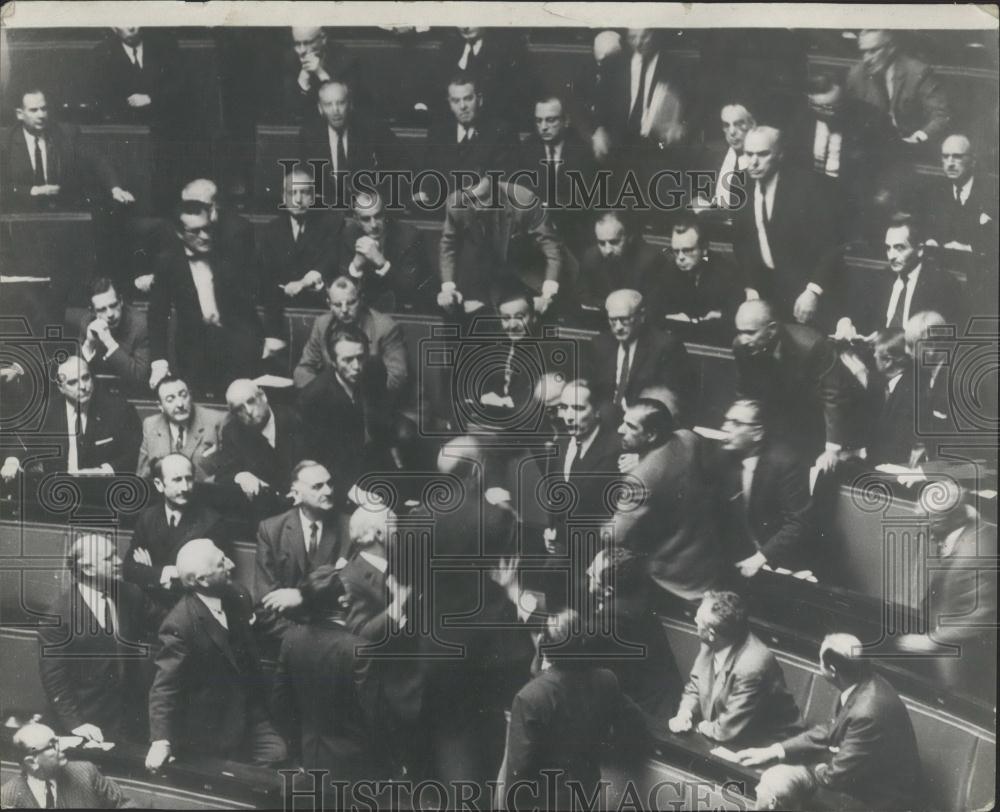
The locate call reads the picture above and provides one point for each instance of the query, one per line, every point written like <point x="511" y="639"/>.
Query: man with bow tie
<point x="218" y="335"/>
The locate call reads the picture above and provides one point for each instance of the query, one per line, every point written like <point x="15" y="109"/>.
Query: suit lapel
<point x="328" y="543"/>
<point x="295" y="542"/>
<point x="216" y="633"/>
<point x="25" y="799"/>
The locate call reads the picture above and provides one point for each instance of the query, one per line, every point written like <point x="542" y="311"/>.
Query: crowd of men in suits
<point x="338" y="474"/>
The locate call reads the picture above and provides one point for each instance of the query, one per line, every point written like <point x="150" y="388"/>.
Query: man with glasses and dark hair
<point x="114" y="336"/>
<point x="49" y="780"/>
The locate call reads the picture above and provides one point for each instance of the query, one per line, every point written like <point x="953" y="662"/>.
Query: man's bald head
<point x="607" y="44"/>
<point x="203" y="567"/>
<point x="625" y="313"/>
<point x="74" y="381"/>
<point x="371" y="525"/>
<point x="756" y="327"/>
<point x="248" y="402"/>
<point x="754" y="314"/>
<point x="763" y="149"/>
<point x="201" y="190"/>
<point x="38" y="747"/>
<point x="459" y="457"/>
<point x="93" y="557"/>
<point x="957" y="158"/>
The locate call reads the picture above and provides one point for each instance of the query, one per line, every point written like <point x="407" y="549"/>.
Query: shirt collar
<point x="306" y="521"/>
<point x="172" y="511"/>
<point x="38" y="788"/>
<point x="90" y="594"/>
<point x="720" y="657"/>
<point x="375" y="560"/>
<point x="213" y="602"/>
<point x="750" y="463"/>
<point x="29" y="138"/>
<point x="966" y="188"/>
<point x="911" y="276"/>
<point x="269" y="429"/>
<point x="846" y="694"/>
<point x="893" y="381"/>
<point x="583" y="446"/>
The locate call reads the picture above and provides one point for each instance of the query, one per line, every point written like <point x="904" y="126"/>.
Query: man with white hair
<point x="312" y="60"/>
<point x="208" y="695"/>
<point x="49" y="780"/>
<point x="90" y="661"/>
<point x="98" y="432"/>
<point x="961" y="207"/>
<point x="868" y="750"/>
<point x="785" y="237"/>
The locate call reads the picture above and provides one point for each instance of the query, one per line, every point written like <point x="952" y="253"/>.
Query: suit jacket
<point x="877" y="761"/>
<point x="660" y="360"/>
<point x="246" y="450"/>
<point x="936" y="289"/>
<point x="207" y="692"/>
<point x="161" y="78"/>
<point x="281" y="258"/>
<point x="670" y="518"/>
<point x="809" y="393"/>
<point x="234" y="295"/>
<point x="111" y="436"/>
<point x="328" y="696"/>
<point x="202" y="441"/>
<point x="776" y="518"/>
<point x="409" y="283"/>
<point x="974" y="223"/>
<point x="747" y="701"/>
<point x="162" y="542"/>
<point x="80" y="785"/>
<point x="385" y="340"/>
<point x="714" y="285"/>
<point x="802" y="235"/>
<point x="130" y="362"/>
<point x="642" y="268"/>
<point x="78" y="170"/>
<point x="894" y="431"/>
<point x="90" y="676"/>
<point x="492" y="147"/>
<point x="518" y="232"/>
<point x="919" y="101"/>
<point x="589" y="475"/>
<point x="371" y="146"/>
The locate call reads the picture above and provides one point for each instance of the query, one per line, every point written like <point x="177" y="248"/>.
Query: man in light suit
<point x="901" y="86"/>
<point x="91" y="662"/>
<point x="49" y="780"/>
<point x="292" y="544"/>
<point x="115" y="339"/>
<point x="97" y="431"/>
<point x="670" y="519"/>
<point x="181" y="427"/>
<point x="736" y="692"/>
<point x="868" y="749"/>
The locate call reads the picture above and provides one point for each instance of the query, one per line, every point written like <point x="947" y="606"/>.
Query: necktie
<point x="179" y="444"/>
<point x="571" y="453"/>
<point x="109" y="621"/>
<point x="298" y="226"/>
<point x="50" y="798"/>
<point x="550" y="152"/>
<point x="508" y="370"/>
<point x="135" y="56"/>
<point x="173" y="520"/>
<point x="78" y="426"/>
<point x="39" y="163"/>
<point x="623" y="377"/>
<point x="896" y="320"/>
<point x="313" y="542"/>
<point x="958" y="196"/>
<point x="635" y="116"/>
<point x="341" y="152"/>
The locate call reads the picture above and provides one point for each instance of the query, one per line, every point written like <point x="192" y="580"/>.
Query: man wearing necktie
<point x="868" y="749"/>
<point x="49" y="780"/>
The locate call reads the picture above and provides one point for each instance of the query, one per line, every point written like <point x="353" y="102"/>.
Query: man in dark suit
<point x="387" y="259"/>
<point x="494" y="231"/>
<point x="633" y="356"/>
<point x="961" y="208"/>
<point x="730" y="179"/>
<point x="868" y="749"/>
<point x="736" y="691"/>
<point x="314" y="60"/>
<point x="344" y="410"/>
<point x="699" y="286"/>
<point x="961" y="601"/>
<point x="810" y="398"/>
<point x="763" y="495"/>
<point x="297" y="252"/>
<point x="45" y="164"/>
<point x="164" y="527"/>
<point x="466" y="141"/>
<point x="182" y="427"/>
<point x="622" y="259"/>
<point x="347" y="141"/>
<point x="139" y="78"/>
<point x="49" y="780"/>
<point x="91" y="662"/>
<point x="893" y="435"/>
<point x="207" y="697"/>
<point x="293" y="544"/>
<point x="115" y="340"/>
<point x="97" y="432"/>
<point x="915" y="285"/>
<point x="903" y="87"/>
<point x="785" y="237"/>
<point x="669" y="520"/>
<point x="850" y="143"/>
<point x="261" y="444"/>
<point x="327" y="695"/>
<point x="218" y="335"/>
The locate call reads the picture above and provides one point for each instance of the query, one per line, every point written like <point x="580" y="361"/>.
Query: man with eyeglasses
<point x="49" y="780"/>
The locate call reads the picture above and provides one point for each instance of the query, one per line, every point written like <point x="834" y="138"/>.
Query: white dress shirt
<point x="635" y="76"/>
<point x="335" y="137"/>
<point x="846" y="694"/>
<point x="37" y="787"/>
<point x="723" y="186"/>
<point x="749" y="467"/>
<point x="826" y="148"/>
<point x="893" y="382"/>
<point x="214" y="605"/>
<point x="577" y="450"/>
<point x="307" y="532"/>
<point x="621" y="360"/>
<point x="73" y="456"/>
<point x="470" y="48"/>
<point x="138" y="53"/>
<point x="377" y="561"/>
<point x="719" y="659"/>
<point x="204" y="285"/>
<point x="173" y="516"/>
<point x="95" y="602"/>
<point x="460" y="133"/>
<point x="962" y="192"/>
<point x="763" y="207"/>
<point x="30" y="140"/>
<point x="270" y="431"/>
<point x="897" y="291"/>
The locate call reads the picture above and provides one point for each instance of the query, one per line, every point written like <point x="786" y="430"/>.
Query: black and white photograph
<point x="498" y="406"/>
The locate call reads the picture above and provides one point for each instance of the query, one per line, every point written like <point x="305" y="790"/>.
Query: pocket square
<point x="105" y="441"/>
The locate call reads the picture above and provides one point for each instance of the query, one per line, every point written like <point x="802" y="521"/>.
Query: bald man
<point x="311" y="60"/>
<point x="811" y="398"/>
<point x="208" y="696"/>
<point x="961" y="207"/>
<point x="234" y="233"/>
<point x="90" y="661"/>
<point x="785" y="237"/>
<point x="97" y="432"/>
<point x="49" y="780"/>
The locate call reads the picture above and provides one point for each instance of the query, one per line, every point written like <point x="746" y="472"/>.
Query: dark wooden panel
<point x="129" y="150"/>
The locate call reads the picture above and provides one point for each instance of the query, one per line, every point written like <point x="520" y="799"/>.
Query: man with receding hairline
<point x="961" y="208"/>
<point x="311" y="61"/>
